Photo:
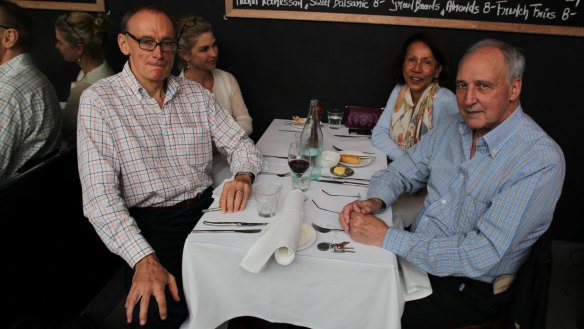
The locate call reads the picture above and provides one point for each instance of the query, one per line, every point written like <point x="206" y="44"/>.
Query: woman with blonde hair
<point x="197" y="59"/>
<point x="81" y="38"/>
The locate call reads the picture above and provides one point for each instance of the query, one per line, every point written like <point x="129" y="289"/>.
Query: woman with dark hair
<point x="81" y="38"/>
<point x="417" y="102"/>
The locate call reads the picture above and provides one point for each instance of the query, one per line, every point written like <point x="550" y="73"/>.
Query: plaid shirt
<point x="481" y="215"/>
<point x="30" y="115"/>
<point x="132" y="152"/>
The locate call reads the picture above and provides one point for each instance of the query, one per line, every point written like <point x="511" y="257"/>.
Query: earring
<point x="188" y="65"/>
<point x="78" y="59"/>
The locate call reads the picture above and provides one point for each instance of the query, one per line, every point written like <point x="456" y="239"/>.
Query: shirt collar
<point x="172" y="83"/>
<point x="496" y="138"/>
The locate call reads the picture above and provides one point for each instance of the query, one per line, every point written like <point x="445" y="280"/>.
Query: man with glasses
<point x="145" y="153"/>
<point x="30" y="115"/>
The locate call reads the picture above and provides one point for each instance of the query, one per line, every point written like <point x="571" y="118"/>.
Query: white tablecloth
<point x="319" y="289"/>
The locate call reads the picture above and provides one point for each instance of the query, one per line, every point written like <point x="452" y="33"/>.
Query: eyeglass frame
<point x="190" y="23"/>
<point x="6" y="27"/>
<point x="74" y="31"/>
<point x="156" y="44"/>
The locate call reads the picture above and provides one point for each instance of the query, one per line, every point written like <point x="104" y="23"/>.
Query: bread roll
<point x="352" y="159"/>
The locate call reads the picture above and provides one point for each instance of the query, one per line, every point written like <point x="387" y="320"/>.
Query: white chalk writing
<point x="351" y="4"/>
<point x="414" y="5"/>
<point x="283" y="3"/>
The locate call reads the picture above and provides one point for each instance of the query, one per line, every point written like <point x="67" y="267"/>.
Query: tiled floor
<point x="566" y="299"/>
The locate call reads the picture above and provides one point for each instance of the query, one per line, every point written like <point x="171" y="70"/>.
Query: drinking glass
<point x="299" y="163"/>
<point x="335" y="116"/>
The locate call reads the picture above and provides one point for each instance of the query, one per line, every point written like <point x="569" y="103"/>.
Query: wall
<point x="281" y="65"/>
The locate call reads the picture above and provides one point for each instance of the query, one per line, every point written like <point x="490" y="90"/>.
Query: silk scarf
<point x="409" y="123"/>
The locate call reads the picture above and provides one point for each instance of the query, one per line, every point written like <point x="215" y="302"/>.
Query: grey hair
<point x="514" y="58"/>
<point x="190" y="29"/>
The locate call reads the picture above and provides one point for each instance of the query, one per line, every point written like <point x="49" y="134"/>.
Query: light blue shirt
<point x="481" y="215"/>
<point x="444" y="105"/>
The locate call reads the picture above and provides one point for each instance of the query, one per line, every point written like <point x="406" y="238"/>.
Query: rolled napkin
<point x="281" y="238"/>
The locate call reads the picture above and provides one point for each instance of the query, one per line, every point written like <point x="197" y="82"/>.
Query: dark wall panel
<point x="282" y="64"/>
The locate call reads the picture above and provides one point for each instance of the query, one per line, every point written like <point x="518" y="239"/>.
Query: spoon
<point x="340" y="149"/>
<point x="324" y="229"/>
<point x="273" y="173"/>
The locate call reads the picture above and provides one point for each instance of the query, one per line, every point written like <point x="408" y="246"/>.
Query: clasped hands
<point x="357" y="220"/>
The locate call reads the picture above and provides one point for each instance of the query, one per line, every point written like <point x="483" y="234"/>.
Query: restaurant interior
<point x="56" y="262"/>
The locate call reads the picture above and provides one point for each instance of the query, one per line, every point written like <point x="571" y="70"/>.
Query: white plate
<point x="364" y="162"/>
<point x="307" y="236"/>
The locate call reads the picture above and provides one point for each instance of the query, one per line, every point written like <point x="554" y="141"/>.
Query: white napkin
<point x="281" y="239"/>
<point x="415" y="282"/>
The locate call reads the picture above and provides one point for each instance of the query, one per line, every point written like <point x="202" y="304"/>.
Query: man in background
<point x="30" y="115"/>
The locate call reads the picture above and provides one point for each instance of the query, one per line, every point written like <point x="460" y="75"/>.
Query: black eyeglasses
<point x="150" y="45"/>
<point x="190" y="23"/>
<point x="74" y="30"/>
<point x="5" y="27"/>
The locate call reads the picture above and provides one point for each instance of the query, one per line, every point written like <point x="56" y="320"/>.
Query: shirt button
<point x="443" y="201"/>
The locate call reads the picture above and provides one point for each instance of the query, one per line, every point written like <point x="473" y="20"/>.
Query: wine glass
<point x="299" y="163"/>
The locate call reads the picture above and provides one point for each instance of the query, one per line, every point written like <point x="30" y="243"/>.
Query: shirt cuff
<point x="397" y="241"/>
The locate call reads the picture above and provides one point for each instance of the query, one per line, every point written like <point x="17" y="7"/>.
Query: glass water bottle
<point x="311" y="139"/>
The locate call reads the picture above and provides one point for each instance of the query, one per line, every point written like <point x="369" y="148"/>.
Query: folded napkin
<point x="415" y="282"/>
<point x="281" y="239"/>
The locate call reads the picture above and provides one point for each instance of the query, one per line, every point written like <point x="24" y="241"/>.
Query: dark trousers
<point x="454" y="302"/>
<point x="166" y="229"/>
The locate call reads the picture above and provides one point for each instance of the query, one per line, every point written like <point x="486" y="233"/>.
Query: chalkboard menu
<point x="560" y="17"/>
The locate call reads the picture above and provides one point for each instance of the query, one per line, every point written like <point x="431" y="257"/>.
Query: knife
<point x="337" y="178"/>
<point x="227" y="231"/>
<point x="206" y="222"/>
<point x="275" y="156"/>
<point x="360" y="136"/>
<point x="343" y="182"/>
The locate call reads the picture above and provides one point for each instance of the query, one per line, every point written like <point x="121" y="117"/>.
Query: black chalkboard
<point x="560" y="17"/>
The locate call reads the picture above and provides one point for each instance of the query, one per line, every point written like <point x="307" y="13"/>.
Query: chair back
<point x="529" y="302"/>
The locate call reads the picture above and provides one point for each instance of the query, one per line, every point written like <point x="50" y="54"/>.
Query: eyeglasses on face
<point x="5" y="27"/>
<point x="150" y="45"/>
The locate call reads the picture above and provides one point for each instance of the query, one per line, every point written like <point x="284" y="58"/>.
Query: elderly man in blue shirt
<point x="493" y="178"/>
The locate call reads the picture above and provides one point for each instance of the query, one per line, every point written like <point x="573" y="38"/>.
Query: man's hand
<point x="235" y="194"/>
<point x="367" y="229"/>
<point x="365" y="207"/>
<point x="150" y="279"/>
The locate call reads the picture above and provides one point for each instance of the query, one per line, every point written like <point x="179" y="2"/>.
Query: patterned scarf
<point x="409" y="124"/>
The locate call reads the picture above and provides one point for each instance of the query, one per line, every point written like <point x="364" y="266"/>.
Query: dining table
<point x="320" y="289"/>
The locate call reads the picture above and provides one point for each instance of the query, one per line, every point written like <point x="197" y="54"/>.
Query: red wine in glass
<point x="299" y="166"/>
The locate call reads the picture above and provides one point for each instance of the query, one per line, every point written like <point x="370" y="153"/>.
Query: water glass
<point x="335" y="116"/>
<point x="303" y="182"/>
<point x="267" y="198"/>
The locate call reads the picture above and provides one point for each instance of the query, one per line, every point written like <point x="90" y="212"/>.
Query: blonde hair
<point x="190" y="28"/>
<point x="83" y="28"/>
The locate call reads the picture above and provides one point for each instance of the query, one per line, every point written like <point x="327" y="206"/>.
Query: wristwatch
<point x="246" y="173"/>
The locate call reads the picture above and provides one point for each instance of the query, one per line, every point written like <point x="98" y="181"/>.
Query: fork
<point x="358" y="196"/>
<point x="273" y="173"/>
<point x="340" y="149"/>
<point x="325" y="229"/>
